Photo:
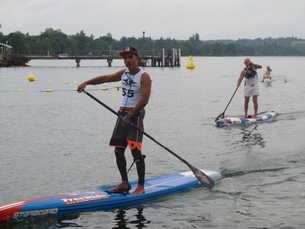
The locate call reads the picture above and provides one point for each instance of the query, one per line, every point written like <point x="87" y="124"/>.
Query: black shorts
<point x="124" y="135"/>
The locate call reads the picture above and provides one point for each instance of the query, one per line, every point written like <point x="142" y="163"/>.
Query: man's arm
<point x="257" y="66"/>
<point x="101" y="79"/>
<point x="241" y="76"/>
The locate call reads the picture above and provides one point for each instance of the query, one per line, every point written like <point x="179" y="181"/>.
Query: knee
<point x="137" y="156"/>
<point x="119" y="152"/>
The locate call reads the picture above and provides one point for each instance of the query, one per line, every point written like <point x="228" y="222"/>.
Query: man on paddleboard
<point x="136" y="87"/>
<point x="251" y="85"/>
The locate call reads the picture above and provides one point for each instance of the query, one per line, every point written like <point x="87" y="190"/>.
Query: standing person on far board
<point x="251" y="85"/>
<point x="136" y="87"/>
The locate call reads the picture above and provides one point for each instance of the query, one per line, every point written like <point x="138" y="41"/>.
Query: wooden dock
<point x="162" y="60"/>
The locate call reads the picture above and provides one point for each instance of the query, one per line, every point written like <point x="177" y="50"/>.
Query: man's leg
<point x="121" y="164"/>
<point x="140" y="164"/>
<point x="255" y="104"/>
<point x="246" y="104"/>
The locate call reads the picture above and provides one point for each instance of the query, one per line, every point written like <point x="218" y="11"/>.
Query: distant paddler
<point x="267" y="74"/>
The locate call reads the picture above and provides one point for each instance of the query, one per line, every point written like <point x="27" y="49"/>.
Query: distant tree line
<point x="55" y="42"/>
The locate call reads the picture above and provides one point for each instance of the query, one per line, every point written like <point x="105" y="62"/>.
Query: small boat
<point x="99" y="198"/>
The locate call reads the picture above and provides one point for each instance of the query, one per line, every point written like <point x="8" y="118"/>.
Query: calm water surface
<point x="54" y="142"/>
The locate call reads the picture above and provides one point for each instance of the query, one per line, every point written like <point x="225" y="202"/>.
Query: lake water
<point x="55" y="142"/>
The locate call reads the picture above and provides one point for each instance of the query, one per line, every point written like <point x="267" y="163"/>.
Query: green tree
<point x="54" y="42"/>
<point x="231" y="49"/>
<point x="83" y="43"/>
<point x="19" y="42"/>
<point x="100" y="47"/>
<point x="218" y="49"/>
<point x="71" y="45"/>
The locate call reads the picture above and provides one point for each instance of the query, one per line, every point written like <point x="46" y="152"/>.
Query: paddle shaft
<point x="230" y="100"/>
<point x="202" y="177"/>
<point x="135" y="161"/>
<point x="223" y="113"/>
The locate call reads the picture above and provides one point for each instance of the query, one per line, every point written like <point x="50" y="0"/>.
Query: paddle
<point x="201" y="176"/>
<point x="222" y="115"/>
<point x="135" y="161"/>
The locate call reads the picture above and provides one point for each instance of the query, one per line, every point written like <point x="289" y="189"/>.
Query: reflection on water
<point x="250" y="139"/>
<point x="47" y="222"/>
<point x="122" y="220"/>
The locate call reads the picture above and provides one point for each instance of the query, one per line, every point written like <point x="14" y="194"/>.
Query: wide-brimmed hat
<point x="129" y="50"/>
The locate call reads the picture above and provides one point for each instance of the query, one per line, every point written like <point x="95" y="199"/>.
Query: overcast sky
<point x="179" y="19"/>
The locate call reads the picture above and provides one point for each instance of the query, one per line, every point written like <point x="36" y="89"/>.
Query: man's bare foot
<point x="139" y="190"/>
<point x="123" y="186"/>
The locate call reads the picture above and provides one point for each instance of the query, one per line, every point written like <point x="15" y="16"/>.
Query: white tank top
<point x="131" y="88"/>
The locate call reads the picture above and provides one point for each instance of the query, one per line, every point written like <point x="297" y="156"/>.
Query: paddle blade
<point x="203" y="178"/>
<point x="222" y="115"/>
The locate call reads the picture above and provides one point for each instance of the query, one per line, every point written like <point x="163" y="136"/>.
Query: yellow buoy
<point x="190" y="63"/>
<point x="31" y="78"/>
<point x="49" y="90"/>
<point x="20" y="90"/>
<point x="104" y="88"/>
